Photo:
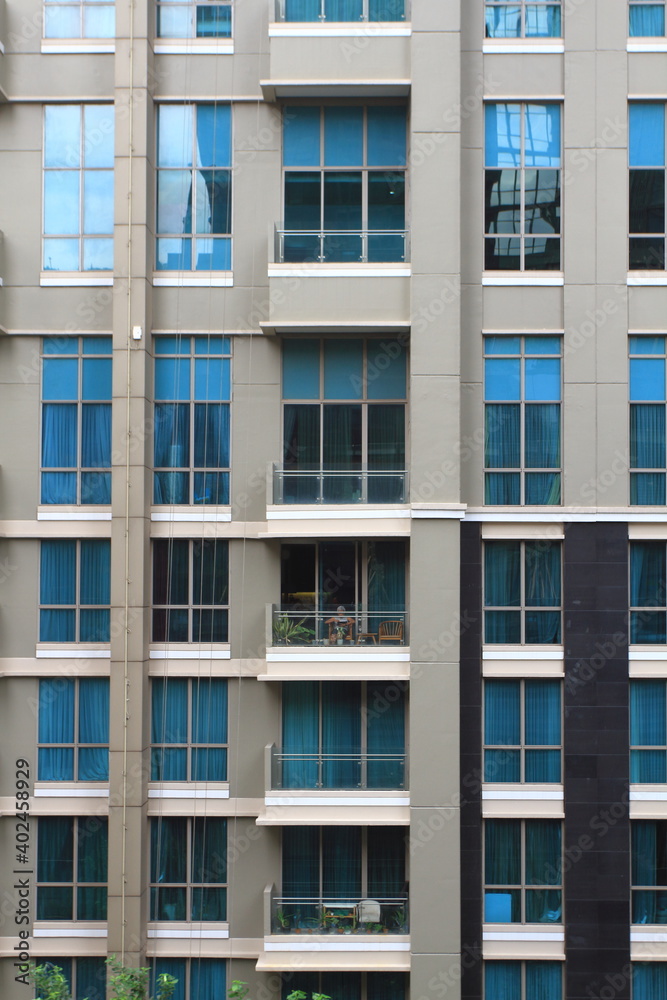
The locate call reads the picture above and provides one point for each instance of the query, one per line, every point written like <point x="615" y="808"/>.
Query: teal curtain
<point x="57" y="586"/>
<point x="302" y="10"/>
<point x="647" y="488"/>
<point x="542" y="445"/>
<point x="386" y="450"/>
<point x="59" y="451"/>
<point x="209" y="727"/>
<point x="542" y="488"/>
<point x="301" y="737"/>
<point x="649" y="980"/>
<point x="543" y="868"/>
<point x="171" y="450"/>
<point x="95" y="588"/>
<point x="301" y="875"/>
<point x="341" y="862"/>
<point x="647" y="436"/>
<point x="169" y="724"/>
<point x="502" y="852"/>
<point x="502" y="727"/>
<point x="386" y="862"/>
<point x="386" y="10"/>
<point x="341" y="734"/>
<point x="502" y="488"/>
<point x="543" y="589"/>
<point x="502" y="588"/>
<point x="502" y="981"/>
<point x="502" y="436"/>
<point x="386" y="985"/>
<point x="543" y="728"/>
<point x="168" y="865"/>
<point x="386" y="578"/>
<point x="543" y="22"/>
<point x="207" y="979"/>
<point x="55" y="863"/>
<point x="544" y="980"/>
<point x="647" y="20"/>
<point x="92" y="854"/>
<point x="648" y="713"/>
<point x="341" y="451"/>
<point x="94" y="728"/>
<point x="209" y="868"/>
<point x="175" y="967"/>
<point x="647" y="590"/>
<point x="56" y="725"/>
<point x="96" y="438"/>
<point x="301" y="452"/>
<point x="645" y="868"/>
<point x="91" y="979"/>
<point x="343" y="10"/>
<point x="385" y="734"/>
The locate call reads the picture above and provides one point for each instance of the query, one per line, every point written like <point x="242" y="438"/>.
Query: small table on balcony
<point x="339" y="912"/>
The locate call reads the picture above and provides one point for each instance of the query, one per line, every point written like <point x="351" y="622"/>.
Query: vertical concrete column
<point x="132" y="440"/>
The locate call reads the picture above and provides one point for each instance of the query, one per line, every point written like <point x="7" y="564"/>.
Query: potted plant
<point x="284" y="920"/>
<point x="287" y="631"/>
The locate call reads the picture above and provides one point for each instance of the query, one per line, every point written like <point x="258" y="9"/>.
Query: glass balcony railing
<point x="300" y="625"/>
<point x="325" y="487"/>
<point x="360" y="770"/>
<point x="342" y="10"/>
<point x="349" y="915"/>
<point x="341" y="246"/>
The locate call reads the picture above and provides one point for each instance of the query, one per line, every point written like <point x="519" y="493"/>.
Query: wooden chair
<point x="391" y="631"/>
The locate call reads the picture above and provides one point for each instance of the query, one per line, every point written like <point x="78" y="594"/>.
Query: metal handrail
<point x="316" y="485"/>
<point x="325" y="249"/>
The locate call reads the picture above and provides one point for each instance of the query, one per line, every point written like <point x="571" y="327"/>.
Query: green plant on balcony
<point x="396" y="920"/>
<point x="287" y="632"/>
<point x="284" y="920"/>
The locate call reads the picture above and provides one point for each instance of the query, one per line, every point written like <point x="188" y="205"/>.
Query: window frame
<point x="640" y="237"/>
<point x="326" y="477"/>
<point x="522" y="170"/>
<point x="523" y="607"/>
<point x="83" y="5"/>
<point x="638" y="751"/>
<point x="75" y="883"/>
<point x="658" y="861"/>
<point x="193" y="237"/>
<point x="77" y="745"/>
<point x="645" y="3"/>
<point x="524" y="995"/>
<point x="189" y="746"/>
<point x="364" y="170"/>
<point x="195" y="5"/>
<point x="192" y="470"/>
<point x="82" y="169"/>
<point x="637" y="474"/>
<point x="190" y="885"/>
<point x="523" y="469"/>
<point x="522" y="5"/>
<point x="190" y="607"/>
<point x="79" y="469"/>
<point x="522" y="746"/>
<point x="77" y="607"/>
<point x="641" y="613"/>
<point x="523" y="887"/>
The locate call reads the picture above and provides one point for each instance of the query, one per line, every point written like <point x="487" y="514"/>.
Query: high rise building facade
<point x="333" y="545"/>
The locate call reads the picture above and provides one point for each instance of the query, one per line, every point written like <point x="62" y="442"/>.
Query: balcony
<point x="339" y="916"/>
<point x="341" y="771"/>
<point x="312" y="53"/>
<point x="323" y="487"/>
<point x="328" y="11"/>
<point x="341" y="246"/>
<point x="302" y="644"/>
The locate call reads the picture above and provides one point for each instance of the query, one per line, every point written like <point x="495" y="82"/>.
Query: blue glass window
<point x="86" y="977"/>
<point x="76" y="420"/>
<point x="342" y="10"/>
<point x="647" y="18"/>
<point x="73" y="733"/>
<point x="647" y="185"/>
<point x="79" y="19"/>
<point x="78" y="187"/>
<point x="190" y="591"/>
<point x="194" y="187"/>
<point x="522" y="731"/>
<point x="344" y="184"/>
<point x="523" y="980"/>
<point x="188" y="869"/>
<point x="648" y="592"/>
<point x="649" y="850"/>
<point x="522" y="389"/>
<point x="192" y="420"/>
<point x="189" y="729"/>
<point x="523" y="19"/>
<point x="343" y="421"/>
<point x="75" y="587"/>
<point x="522" y="186"/>
<point x="648" y="459"/>
<point x="72" y="856"/>
<point x="523" y="871"/>
<point x="648" y="731"/>
<point x="649" y="980"/>
<point x="189" y="19"/>
<point x="198" y="978"/>
<point x="522" y="592"/>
